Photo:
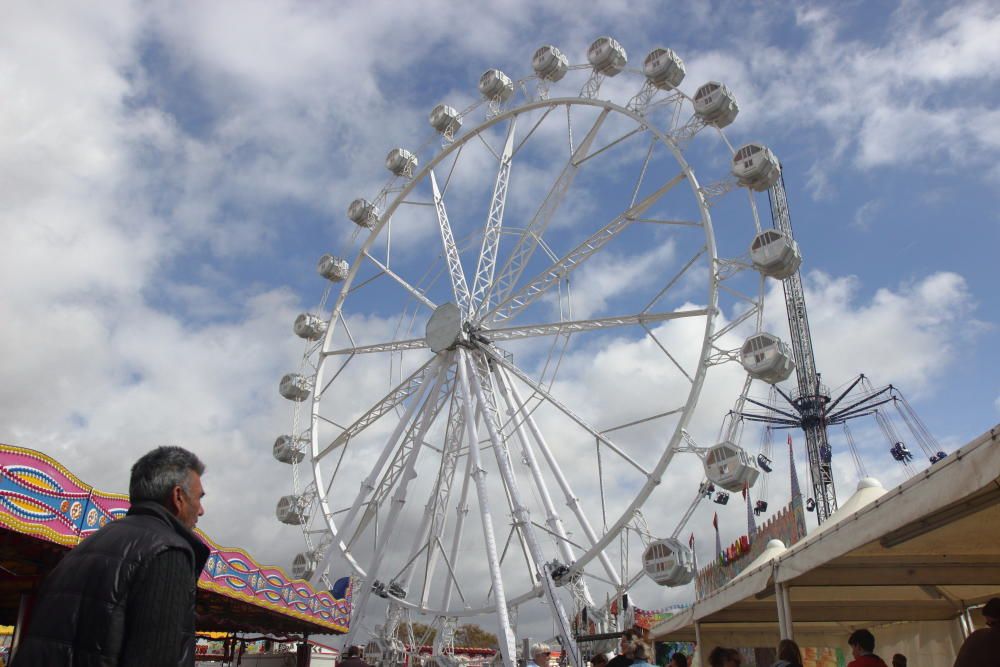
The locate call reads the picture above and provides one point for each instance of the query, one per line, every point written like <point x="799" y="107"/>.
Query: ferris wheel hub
<point x="444" y="328"/>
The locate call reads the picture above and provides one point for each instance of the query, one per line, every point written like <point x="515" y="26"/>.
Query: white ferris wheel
<point x="504" y="364"/>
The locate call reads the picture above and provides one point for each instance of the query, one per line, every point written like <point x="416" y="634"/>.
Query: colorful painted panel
<point x="41" y="498"/>
<point x="233" y="573"/>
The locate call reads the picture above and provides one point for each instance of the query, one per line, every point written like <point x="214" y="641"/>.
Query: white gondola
<point x="304" y="565"/>
<point x="287" y="450"/>
<point x="668" y="562"/>
<point x="495" y="85"/>
<point x="289" y="511"/>
<point x="775" y="254"/>
<point x="549" y="63"/>
<point x="756" y="167"/>
<point x="445" y="119"/>
<point x="765" y="357"/>
<point x="663" y="68"/>
<point x="729" y="466"/>
<point x="333" y="268"/>
<point x="715" y="104"/>
<point x="295" y="387"/>
<point x="363" y="213"/>
<point x="401" y="162"/>
<point x="607" y="56"/>
<point x="309" y="326"/>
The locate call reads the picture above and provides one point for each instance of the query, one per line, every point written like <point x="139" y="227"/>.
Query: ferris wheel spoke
<point x="541" y="391"/>
<point x="461" y="512"/>
<point x="441" y="493"/>
<point x="577" y="326"/>
<point x="743" y="317"/>
<point x="517" y="406"/>
<point x="398" y="501"/>
<point x="411" y="385"/>
<point x="554" y="524"/>
<point x="663" y="348"/>
<point x="417" y="294"/>
<point x="494" y="224"/>
<point x="534" y="127"/>
<point x="560" y="269"/>
<point x="431" y="409"/>
<point x="525" y="248"/>
<point x="458" y="284"/>
<point x="609" y="145"/>
<point x="368" y="485"/>
<point x="394" y="346"/>
<point x="676" y="277"/>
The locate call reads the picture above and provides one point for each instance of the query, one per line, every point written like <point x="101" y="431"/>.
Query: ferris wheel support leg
<point x="398" y="500"/>
<point x="506" y="634"/>
<point x="571" y="499"/>
<point x="552" y="517"/>
<point x="522" y="519"/>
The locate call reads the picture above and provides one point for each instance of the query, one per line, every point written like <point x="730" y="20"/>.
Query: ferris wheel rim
<point x="653" y="479"/>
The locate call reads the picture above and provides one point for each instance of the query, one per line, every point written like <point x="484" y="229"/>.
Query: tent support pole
<point x="787" y="604"/>
<point x="782" y="626"/>
<point x="698" y="649"/>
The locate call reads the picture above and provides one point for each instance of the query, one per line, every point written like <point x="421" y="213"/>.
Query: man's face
<point x="855" y="650"/>
<point x="187" y="504"/>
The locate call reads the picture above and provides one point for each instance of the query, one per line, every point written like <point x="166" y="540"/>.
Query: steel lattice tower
<point x="810" y="397"/>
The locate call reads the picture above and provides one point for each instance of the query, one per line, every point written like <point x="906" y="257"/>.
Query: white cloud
<point x="866" y="213"/>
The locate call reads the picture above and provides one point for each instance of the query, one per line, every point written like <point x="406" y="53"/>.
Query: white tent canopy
<point x="919" y="554"/>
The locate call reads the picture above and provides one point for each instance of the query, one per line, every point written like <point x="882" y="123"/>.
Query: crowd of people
<point x="980" y="649"/>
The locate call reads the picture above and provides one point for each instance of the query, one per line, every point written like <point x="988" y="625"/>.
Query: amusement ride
<point x="505" y="363"/>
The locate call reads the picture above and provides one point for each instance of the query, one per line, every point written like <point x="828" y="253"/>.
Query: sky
<point x="171" y="172"/>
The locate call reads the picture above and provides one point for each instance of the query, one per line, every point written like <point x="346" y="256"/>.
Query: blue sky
<point x="172" y="171"/>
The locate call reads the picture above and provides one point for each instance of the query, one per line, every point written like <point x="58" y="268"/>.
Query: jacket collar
<point x="154" y="509"/>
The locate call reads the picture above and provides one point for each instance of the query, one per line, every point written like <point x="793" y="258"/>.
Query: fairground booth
<point x="45" y="510"/>
<point x="911" y="564"/>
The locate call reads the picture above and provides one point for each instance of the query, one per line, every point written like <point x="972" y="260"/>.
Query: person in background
<point x="982" y="647"/>
<point x="540" y="654"/>
<point x="789" y="654"/>
<point x="724" y="657"/>
<point x="640" y="654"/>
<point x="599" y="660"/>
<point x="862" y="643"/>
<point x="678" y="660"/>
<point x="898" y="660"/>
<point x="125" y="596"/>
<point x="626" y="648"/>
<point x="353" y="658"/>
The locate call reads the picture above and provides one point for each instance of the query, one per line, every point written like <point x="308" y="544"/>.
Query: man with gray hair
<point x="540" y="654"/>
<point x="125" y="596"/>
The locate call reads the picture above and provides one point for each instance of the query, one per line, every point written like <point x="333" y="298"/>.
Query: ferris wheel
<point x="502" y="368"/>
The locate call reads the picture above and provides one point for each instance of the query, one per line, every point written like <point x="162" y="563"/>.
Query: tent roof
<point x="923" y="551"/>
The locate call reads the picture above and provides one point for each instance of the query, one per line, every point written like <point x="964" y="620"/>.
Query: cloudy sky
<point x="172" y="171"/>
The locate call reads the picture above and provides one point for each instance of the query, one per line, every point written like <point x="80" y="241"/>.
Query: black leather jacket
<point x="79" y="616"/>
